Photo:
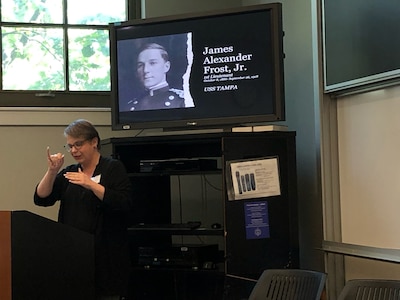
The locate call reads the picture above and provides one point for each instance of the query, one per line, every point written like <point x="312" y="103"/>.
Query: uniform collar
<point x="158" y="87"/>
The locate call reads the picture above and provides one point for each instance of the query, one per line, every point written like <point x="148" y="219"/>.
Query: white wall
<point x="369" y="168"/>
<point x="369" y="144"/>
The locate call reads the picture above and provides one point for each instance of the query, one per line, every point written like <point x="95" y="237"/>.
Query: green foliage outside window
<point x="41" y="51"/>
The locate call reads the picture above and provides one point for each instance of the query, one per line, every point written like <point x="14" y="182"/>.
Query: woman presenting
<point x="95" y="196"/>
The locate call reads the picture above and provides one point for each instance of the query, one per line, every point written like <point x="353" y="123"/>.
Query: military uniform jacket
<point x="162" y="98"/>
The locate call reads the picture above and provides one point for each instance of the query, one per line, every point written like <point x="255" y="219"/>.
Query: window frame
<point x="64" y="98"/>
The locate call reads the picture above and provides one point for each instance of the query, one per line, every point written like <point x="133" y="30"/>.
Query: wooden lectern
<point x="44" y="260"/>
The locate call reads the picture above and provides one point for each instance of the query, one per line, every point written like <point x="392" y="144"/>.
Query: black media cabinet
<point x="183" y="178"/>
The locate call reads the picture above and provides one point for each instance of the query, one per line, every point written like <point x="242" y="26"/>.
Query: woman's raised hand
<point x="54" y="161"/>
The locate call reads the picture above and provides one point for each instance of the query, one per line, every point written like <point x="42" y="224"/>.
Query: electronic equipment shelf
<point x="184" y="177"/>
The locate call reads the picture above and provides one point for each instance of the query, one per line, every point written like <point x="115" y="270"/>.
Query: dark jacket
<point x="106" y="220"/>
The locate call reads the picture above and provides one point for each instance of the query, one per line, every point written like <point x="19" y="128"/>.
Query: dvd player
<point x="188" y="225"/>
<point x="198" y="164"/>
<point x="179" y="256"/>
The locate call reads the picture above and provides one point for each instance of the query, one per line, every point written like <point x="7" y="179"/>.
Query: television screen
<point x="361" y="46"/>
<point x="216" y="69"/>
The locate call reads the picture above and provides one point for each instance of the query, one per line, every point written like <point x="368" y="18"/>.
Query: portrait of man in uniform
<point x="152" y="67"/>
<point x="154" y="73"/>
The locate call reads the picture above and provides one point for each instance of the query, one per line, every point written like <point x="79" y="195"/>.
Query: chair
<point x="371" y="289"/>
<point x="289" y="284"/>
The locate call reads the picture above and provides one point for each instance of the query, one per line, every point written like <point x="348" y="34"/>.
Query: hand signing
<point x="55" y="161"/>
<point x="79" y="178"/>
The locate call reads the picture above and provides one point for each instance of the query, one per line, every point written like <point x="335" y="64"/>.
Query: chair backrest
<point x="289" y="284"/>
<point x="371" y="289"/>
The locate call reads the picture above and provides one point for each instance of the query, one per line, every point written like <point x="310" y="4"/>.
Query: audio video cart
<point x="193" y="234"/>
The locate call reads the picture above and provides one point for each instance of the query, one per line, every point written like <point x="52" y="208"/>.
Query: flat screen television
<point x="212" y="70"/>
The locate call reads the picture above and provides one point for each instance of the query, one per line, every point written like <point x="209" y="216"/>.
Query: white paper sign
<point x="255" y="178"/>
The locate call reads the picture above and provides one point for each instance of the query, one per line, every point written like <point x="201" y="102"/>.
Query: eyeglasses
<point x="77" y="145"/>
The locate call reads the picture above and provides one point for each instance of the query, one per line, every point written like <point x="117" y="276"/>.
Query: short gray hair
<point x="82" y="128"/>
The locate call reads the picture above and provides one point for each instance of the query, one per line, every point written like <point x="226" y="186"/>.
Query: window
<point x="56" y="52"/>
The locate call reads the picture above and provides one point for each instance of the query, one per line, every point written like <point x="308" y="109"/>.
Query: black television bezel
<point x="359" y="51"/>
<point x="202" y="122"/>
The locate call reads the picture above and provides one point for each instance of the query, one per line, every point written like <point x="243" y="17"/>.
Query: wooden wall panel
<point x="5" y="255"/>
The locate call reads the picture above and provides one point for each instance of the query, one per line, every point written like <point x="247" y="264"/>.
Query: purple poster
<point x="256" y="218"/>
